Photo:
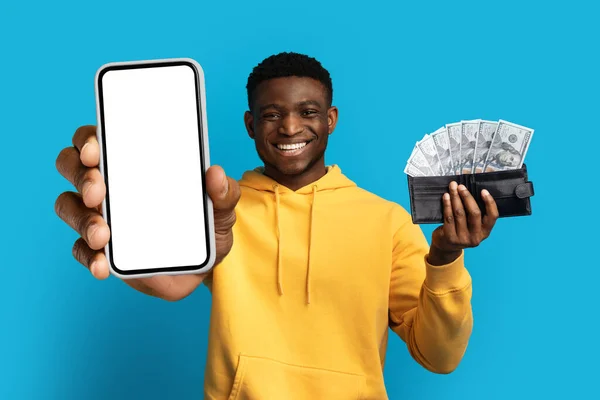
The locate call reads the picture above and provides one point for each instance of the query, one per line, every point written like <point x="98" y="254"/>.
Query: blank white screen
<point x="153" y="165"/>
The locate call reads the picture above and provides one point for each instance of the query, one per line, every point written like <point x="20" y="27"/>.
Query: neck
<point x="295" y="182"/>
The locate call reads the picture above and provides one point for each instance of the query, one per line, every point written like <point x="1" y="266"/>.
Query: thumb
<point x="223" y="191"/>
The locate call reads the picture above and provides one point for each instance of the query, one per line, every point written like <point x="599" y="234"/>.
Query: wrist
<point x="438" y="257"/>
<point x="448" y="277"/>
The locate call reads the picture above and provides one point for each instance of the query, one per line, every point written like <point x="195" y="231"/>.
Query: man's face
<point x="290" y="124"/>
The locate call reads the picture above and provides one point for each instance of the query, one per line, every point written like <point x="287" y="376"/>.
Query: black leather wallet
<point x="510" y="189"/>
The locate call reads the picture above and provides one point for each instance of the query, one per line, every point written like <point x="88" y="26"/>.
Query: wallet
<point x="511" y="189"/>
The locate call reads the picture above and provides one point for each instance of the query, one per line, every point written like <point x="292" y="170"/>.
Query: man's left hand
<point x="463" y="225"/>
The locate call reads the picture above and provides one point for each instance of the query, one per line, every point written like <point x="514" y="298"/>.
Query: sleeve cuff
<point x="441" y="279"/>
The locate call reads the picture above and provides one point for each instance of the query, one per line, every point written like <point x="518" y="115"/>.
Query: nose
<point x="291" y="125"/>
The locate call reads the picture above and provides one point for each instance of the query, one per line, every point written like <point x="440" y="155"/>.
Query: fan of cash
<point x="469" y="147"/>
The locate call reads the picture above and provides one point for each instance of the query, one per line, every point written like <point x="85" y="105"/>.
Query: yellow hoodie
<point x="302" y="305"/>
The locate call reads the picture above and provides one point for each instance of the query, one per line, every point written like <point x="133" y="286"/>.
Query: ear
<point x="332" y="118"/>
<point x="249" y="123"/>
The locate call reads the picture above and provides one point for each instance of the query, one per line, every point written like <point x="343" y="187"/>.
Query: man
<point x="312" y="270"/>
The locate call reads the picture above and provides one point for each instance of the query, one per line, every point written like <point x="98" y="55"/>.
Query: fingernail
<point x="462" y="187"/>
<point x="446" y="196"/>
<point x="94" y="267"/>
<point x="225" y="186"/>
<point x="86" y="187"/>
<point x="484" y="192"/>
<point x="453" y="185"/>
<point x="92" y="231"/>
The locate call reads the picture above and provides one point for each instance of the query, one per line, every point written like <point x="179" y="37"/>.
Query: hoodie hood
<point x="332" y="180"/>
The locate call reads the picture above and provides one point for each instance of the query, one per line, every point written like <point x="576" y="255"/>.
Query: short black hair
<point x="287" y="64"/>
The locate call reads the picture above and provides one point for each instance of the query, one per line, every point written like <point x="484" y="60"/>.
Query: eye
<point x="309" y="113"/>
<point x="270" y="116"/>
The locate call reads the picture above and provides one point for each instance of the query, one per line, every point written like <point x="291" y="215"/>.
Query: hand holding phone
<point x="83" y="211"/>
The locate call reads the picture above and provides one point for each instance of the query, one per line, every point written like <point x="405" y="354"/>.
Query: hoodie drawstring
<point x="279" y="285"/>
<point x="279" y="241"/>
<point x="312" y="222"/>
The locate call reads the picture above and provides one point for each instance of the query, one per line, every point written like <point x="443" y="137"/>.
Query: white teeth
<point x="294" y="146"/>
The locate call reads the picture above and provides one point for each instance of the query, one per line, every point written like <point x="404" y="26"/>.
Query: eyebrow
<point x="300" y="104"/>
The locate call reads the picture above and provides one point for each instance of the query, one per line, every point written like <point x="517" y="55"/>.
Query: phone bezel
<point x="204" y="160"/>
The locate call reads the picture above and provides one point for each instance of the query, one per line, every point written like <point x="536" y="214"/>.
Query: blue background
<point x="400" y="70"/>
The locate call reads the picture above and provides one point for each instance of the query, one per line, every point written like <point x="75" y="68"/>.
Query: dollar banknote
<point x="484" y="142"/>
<point x="454" y="138"/>
<point x="428" y="148"/>
<point x="470" y="146"/>
<point x="442" y="146"/>
<point x="469" y="132"/>
<point x="509" y="147"/>
<point x="412" y="170"/>
<point x="417" y="164"/>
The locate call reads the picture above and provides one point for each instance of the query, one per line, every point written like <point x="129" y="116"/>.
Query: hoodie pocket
<point x="263" y="378"/>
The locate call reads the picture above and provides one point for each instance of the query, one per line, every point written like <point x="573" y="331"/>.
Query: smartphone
<point x="153" y="136"/>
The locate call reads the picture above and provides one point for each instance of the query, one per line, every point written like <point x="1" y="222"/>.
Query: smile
<point x="292" y="149"/>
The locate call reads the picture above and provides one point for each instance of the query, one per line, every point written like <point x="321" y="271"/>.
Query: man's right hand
<point x="82" y="211"/>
